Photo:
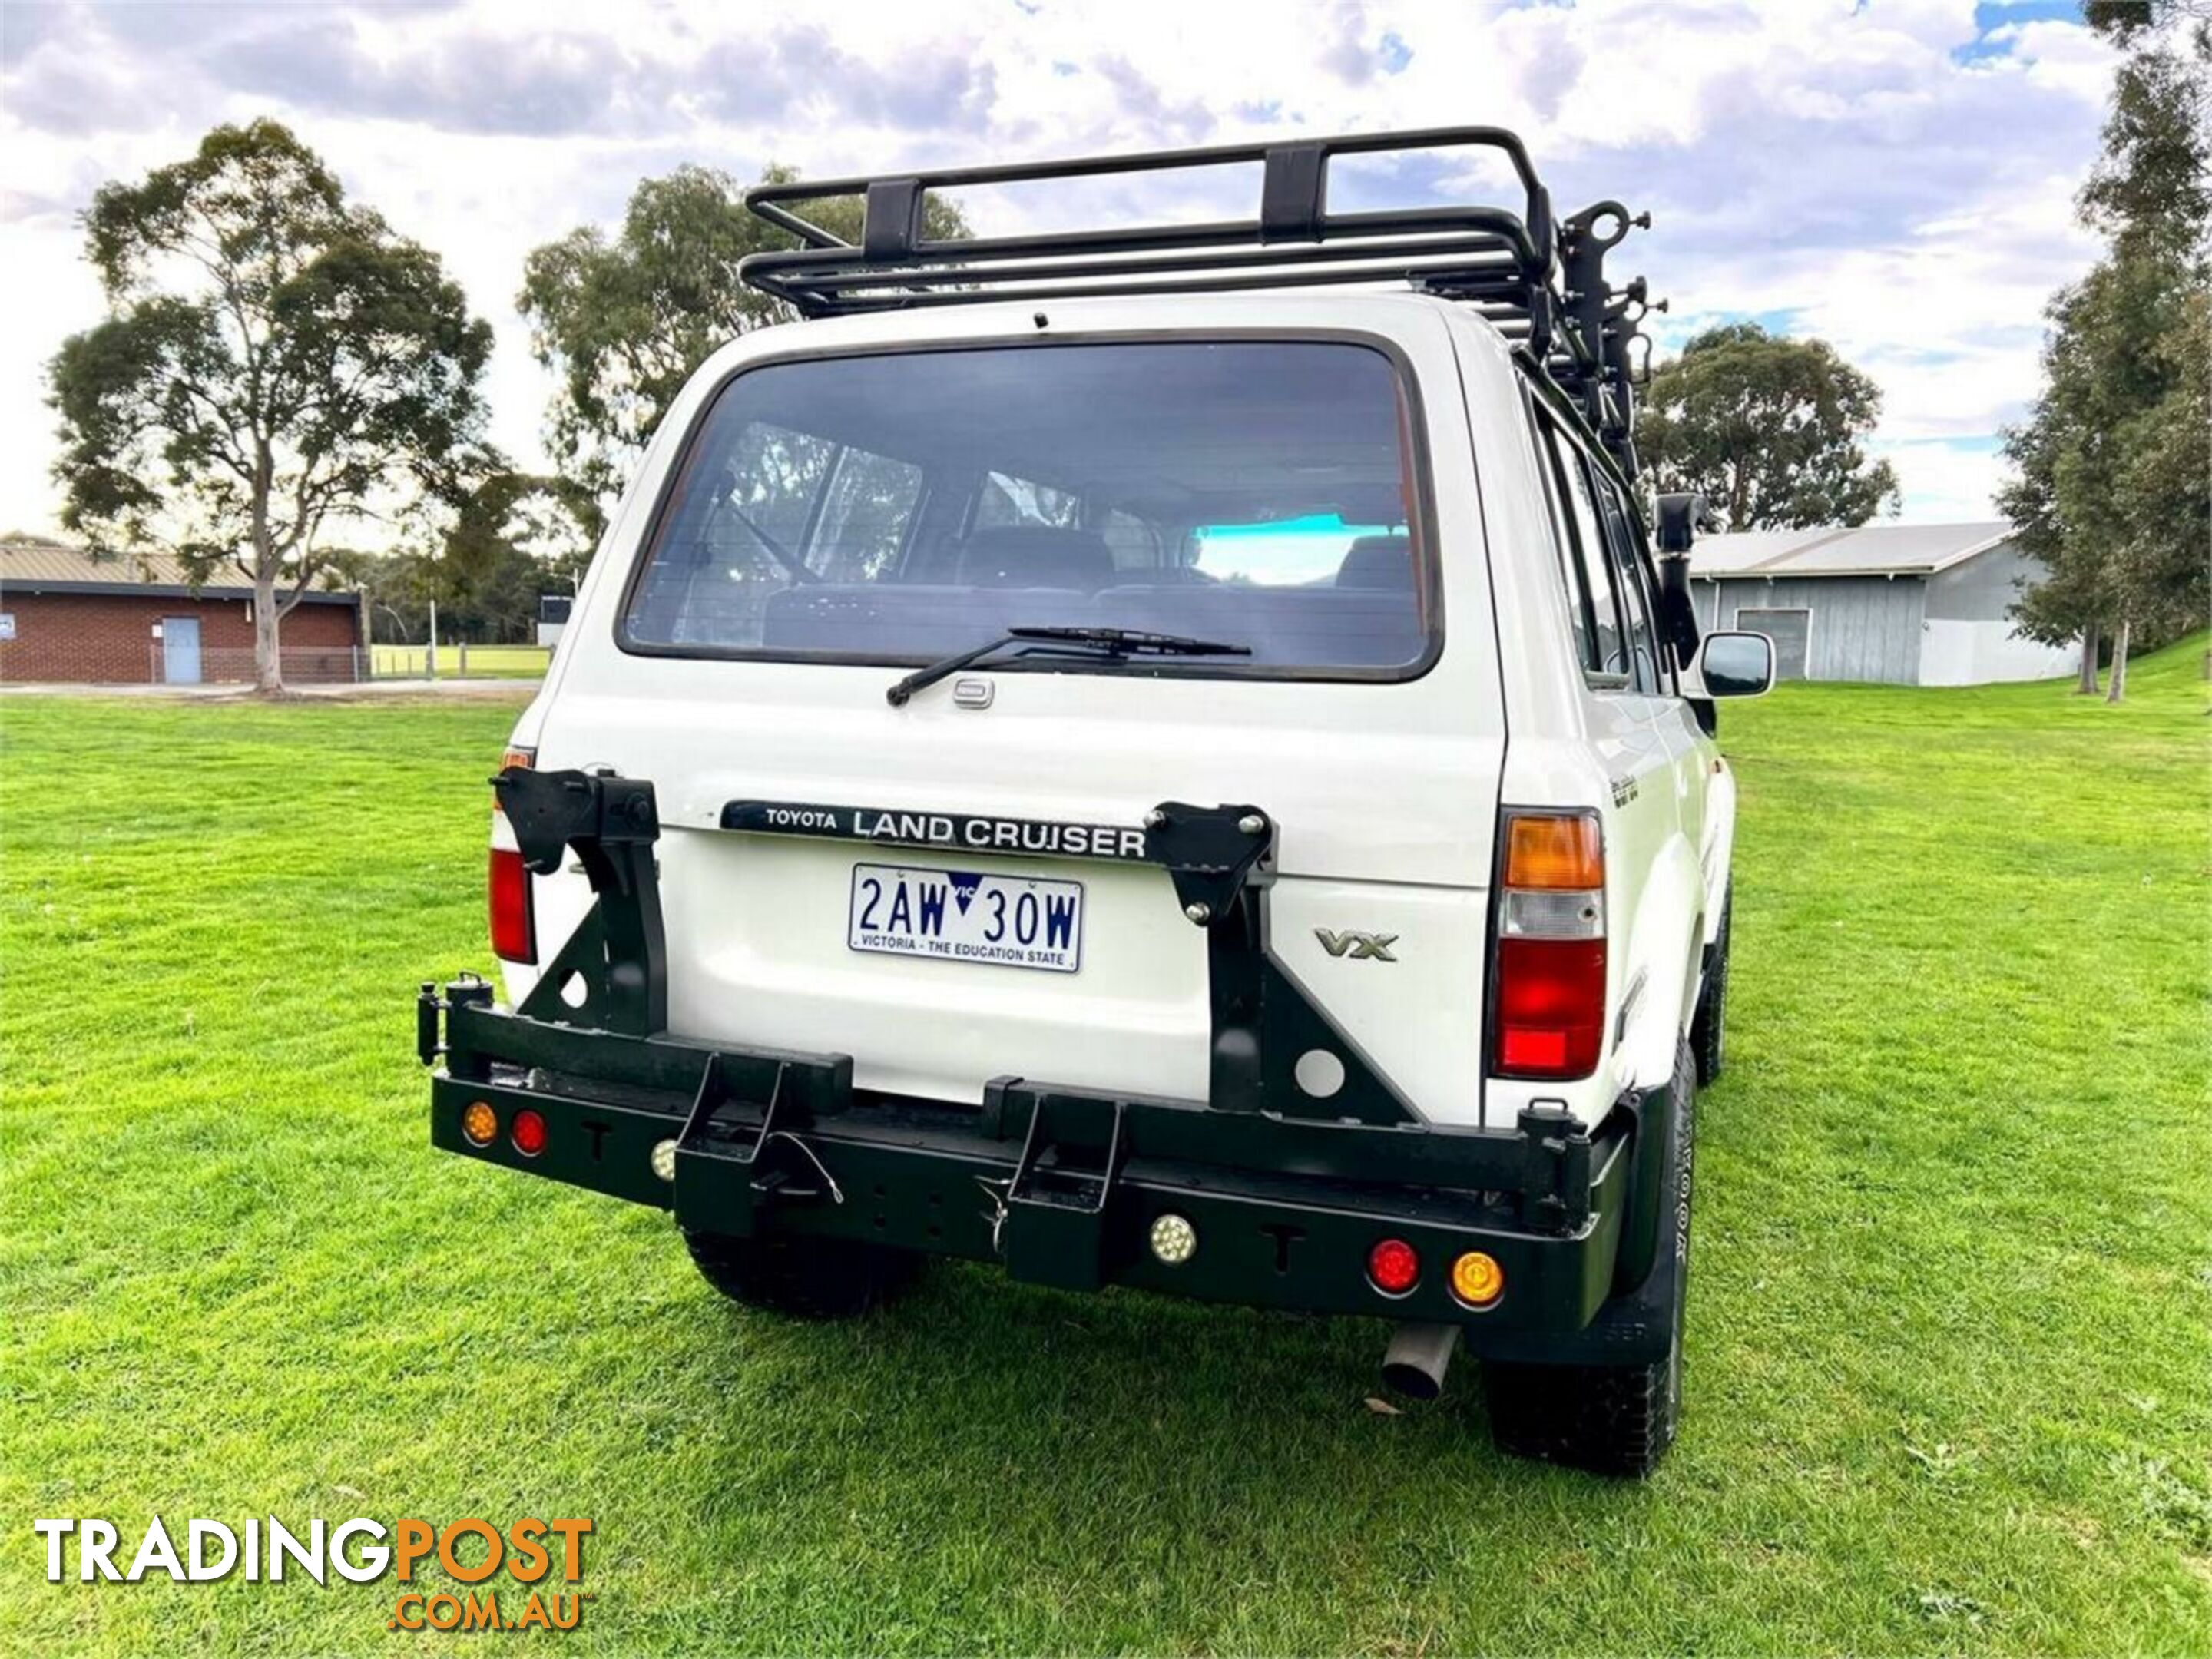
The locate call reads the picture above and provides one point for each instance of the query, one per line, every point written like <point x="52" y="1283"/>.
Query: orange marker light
<point x="524" y="759"/>
<point x="1477" y="1280"/>
<point x="479" y="1122"/>
<point x="1554" y="853"/>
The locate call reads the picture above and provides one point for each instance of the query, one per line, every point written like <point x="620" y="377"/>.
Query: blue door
<point x="181" y="650"/>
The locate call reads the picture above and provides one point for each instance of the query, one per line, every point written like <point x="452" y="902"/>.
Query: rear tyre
<point x="803" y="1278"/>
<point x="1611" y="1419"/>
<point x="1708" y="1030"/>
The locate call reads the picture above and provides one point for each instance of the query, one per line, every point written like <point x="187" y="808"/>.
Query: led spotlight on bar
<point x="1173" y="1240"/>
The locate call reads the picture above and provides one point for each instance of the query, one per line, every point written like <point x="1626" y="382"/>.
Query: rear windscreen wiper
<point x="1107" y="641"/>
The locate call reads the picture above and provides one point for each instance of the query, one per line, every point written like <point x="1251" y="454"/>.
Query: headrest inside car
<point x="1035" y="555"/>
<point x="1377" y="562"/>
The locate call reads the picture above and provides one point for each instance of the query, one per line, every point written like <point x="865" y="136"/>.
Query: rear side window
<point x="866" y="508"/>
<point x="1563" y="545"/>
<point x="1601" y="635"/>
<point x="1020" y="501"/>
<point x="1628" y="572"/>
<point x="898" y="507"/>
<point x="790" y="506"/>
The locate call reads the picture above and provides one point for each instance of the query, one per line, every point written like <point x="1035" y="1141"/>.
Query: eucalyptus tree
<point x="622" y="320"/>
<point x="278" y="371"/>
<point x="1768" y="428"/>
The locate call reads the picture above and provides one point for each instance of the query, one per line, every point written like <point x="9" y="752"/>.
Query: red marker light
<point x="514" y="919"/>
<point x="528" y="1133"/>
<point x="1394" y="1266"/>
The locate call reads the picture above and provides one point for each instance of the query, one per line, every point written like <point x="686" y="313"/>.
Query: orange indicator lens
<point x="1558" y="854"/>
<point x="479" y="1122"/>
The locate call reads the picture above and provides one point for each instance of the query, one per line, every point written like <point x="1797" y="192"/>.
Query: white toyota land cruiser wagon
<point x="1153" y="756"/>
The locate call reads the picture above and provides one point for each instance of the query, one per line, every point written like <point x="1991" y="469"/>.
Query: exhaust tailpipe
<point x="1417" y="1358"/>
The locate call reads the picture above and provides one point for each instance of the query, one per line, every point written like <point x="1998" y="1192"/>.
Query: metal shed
<point x="1904" y="604"/>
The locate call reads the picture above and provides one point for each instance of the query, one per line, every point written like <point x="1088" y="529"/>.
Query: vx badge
<point x="1360" y="947"/>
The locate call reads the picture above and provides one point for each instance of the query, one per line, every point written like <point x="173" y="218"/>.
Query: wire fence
<point x="232" y="665"/>
<point x="222" y="665"/>
<point x="460" y="661"/>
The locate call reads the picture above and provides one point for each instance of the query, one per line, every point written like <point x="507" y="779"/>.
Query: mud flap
<point x="1634" y="1326"/>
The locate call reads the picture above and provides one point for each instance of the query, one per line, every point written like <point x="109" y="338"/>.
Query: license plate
<point x="962" y="916"/>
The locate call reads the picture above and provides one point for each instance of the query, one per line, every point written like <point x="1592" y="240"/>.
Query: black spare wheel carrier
<point x="760" y="1120"/>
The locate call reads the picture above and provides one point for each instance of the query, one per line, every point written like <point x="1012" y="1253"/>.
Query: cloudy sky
<point x="1893" y="175"/>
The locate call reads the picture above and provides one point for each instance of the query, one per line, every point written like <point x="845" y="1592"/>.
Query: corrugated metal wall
<point x="1982" y="589"/>
<point x="1863" y="627"/>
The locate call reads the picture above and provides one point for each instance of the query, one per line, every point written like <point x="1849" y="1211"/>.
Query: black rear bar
<point x="1060" y="1186"/>
<point x="1288" y="1191"/>
<point x="1546" y="1160"/>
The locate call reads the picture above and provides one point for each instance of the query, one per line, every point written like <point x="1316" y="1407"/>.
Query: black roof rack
<point x="1540" y="280"/>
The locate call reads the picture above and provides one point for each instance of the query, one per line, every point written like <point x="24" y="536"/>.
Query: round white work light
<point x="1175" y="1241"/>
<point x="664" y="1159"/>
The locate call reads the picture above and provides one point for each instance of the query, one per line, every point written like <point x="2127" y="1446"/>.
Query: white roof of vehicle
<point x="1389" y="310"/>
<point x="1872" y="549"/>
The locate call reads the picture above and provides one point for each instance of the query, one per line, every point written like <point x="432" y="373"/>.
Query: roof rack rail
<point x="1540" y="280"/>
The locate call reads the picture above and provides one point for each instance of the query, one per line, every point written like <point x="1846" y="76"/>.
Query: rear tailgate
<point x="758" y="925"/>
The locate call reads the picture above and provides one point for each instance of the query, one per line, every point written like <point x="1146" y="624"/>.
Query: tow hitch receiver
<point x="724" y="1179"/>
<point x="1049" y="1217"/>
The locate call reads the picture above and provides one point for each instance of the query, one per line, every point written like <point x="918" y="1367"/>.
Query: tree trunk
<point x="2087" y="686"/>
<point x="268" y="668"/>
<point x="2119" y="682"/>
<point x="268" y="671"/>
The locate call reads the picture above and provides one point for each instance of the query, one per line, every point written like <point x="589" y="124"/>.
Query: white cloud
<point x="1851" y="168"/>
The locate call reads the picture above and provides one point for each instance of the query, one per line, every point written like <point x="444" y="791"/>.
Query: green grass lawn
<point x="1949" y="1354"/>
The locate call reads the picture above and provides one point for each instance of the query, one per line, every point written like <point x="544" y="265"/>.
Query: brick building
<point x="121" y="619"/>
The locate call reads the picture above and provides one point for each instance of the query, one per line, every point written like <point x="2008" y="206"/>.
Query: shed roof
<point x="27" y="559"/>
<point x="35" y="563"/>
<point x="1872" y="549"/>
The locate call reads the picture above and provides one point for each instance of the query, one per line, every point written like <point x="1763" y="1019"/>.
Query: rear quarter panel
<point x="1570" y="747"/>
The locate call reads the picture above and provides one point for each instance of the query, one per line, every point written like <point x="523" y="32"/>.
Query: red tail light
<point x="1551" y="1006"/>
<point x="1394" y="1266"/>
<point x="1548" y="996"/>
<point x="528" y="1133"/>
<point x="513" y="924"/>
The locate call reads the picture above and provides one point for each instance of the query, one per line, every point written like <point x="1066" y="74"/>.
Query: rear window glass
<point x="898" y="508"/>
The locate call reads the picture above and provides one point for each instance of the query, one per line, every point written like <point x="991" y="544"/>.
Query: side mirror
<point x="1736" y="665"/>
<point x="1678" y="512"/>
